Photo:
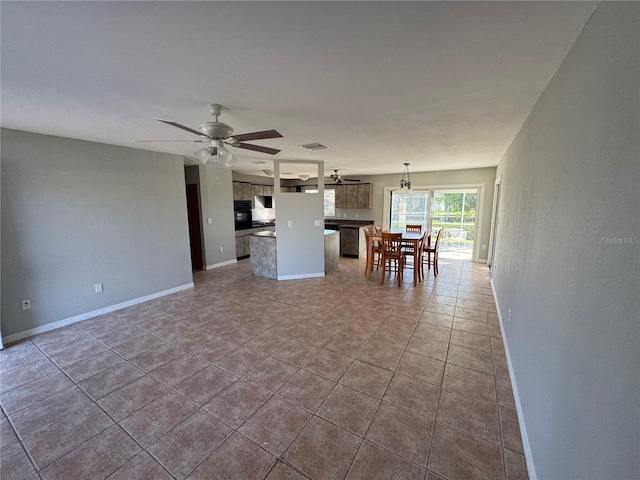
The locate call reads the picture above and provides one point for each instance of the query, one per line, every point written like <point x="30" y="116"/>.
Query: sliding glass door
<point x="455" y="211"/>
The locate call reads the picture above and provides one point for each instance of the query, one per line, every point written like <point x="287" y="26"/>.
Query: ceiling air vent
<point x="313" y="146"/>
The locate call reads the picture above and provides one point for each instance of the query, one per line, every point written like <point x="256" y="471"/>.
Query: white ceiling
<point x="442" y="85"/>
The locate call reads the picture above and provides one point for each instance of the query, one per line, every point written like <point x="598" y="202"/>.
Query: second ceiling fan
<point x="338" y="179"/>
<point x="218" y="134"/>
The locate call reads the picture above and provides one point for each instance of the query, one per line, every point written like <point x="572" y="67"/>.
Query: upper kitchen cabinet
<point x="258" y="190"/>
<point x="268" y="190"/>
<point x="353" y="196"/>
<point x="247" y="191"/>
<point x="341" y="196"/>
<point x="237" y="191"/>
<point x="365" y="195"/>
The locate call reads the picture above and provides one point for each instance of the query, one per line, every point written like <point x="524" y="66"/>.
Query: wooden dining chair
<point x="408" y="247"/>
<point x="429" y="252"/>
<point x="424" y="245"/>
<point x="393" y="258"/>
<point x="376" y="249"/>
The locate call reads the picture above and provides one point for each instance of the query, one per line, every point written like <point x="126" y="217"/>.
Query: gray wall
<point x="300" y="248"/>
<point x="77" y="213"/>
<point x="216" y="203"/>
<point x="570" y="191"/>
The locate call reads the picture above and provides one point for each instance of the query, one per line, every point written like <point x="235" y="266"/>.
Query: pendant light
<point x="407" y="182"/>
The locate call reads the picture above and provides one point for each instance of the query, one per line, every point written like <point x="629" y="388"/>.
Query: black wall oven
<point x="242" y="214"/>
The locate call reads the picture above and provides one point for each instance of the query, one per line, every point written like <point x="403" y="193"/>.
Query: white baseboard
<point x="523" y="429"/>
<point x="221" y="264"/>
<point x="95" y="313"/>
<point x="302" y="275"/>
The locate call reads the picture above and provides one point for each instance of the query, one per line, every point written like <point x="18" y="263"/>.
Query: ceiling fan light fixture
<point x="268" y="173"/>
<point x="405" y="182"/>
<point x="204" y="154"/>
<point x="304" y="178"/>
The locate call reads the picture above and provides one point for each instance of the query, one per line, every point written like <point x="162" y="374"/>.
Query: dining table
<point x="412" y="239"/>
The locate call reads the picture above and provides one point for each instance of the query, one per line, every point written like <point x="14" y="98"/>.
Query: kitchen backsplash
<point x="263" y="214"/>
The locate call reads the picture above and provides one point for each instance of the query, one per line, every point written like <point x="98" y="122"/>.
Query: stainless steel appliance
<point x="242" y="214"/>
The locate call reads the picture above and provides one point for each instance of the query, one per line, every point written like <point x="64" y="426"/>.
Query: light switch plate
<point x="317" y="223"/>
<point x="289" y="223"/>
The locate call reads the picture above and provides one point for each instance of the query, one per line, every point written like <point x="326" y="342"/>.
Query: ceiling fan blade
<point x="182" y="127"/>
<point x="351" y="179"/>
<point x="256" y="148"/>
<point x="173" y="141"/>
<point x="265" y="134"/>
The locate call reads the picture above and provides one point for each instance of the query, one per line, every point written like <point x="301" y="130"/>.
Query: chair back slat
<point x="392" y="245"/>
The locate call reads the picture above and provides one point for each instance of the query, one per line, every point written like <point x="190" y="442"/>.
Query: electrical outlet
<point x="209" y="221"/>
<point x="289" y="223"/>
<point x="509" y="319"/>
<point x="99" y="287"/>
<point x="221" y="249"/>
<point x="484" y="247"/>
<point x="25" y="304"/>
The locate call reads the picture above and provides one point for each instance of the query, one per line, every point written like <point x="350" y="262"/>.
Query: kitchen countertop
<point x="273" y="234"/>
<point x="348" y="223"/>
<point x="266" y="234"/>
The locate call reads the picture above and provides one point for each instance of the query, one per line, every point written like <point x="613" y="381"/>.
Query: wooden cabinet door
<point x="364" y="195"/>
<point x="247" y="191"/>
<point x="352" y="196"/>
<point x="247" y="244"/>
<point x="349" y="242"/>
<point x="237" y="191"/>
<point x="341" y="196"/>
<point x="239" y="247"/>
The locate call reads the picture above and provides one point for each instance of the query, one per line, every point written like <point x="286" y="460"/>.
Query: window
<point x="409" y="207"/>
<point x="329" y="201"/>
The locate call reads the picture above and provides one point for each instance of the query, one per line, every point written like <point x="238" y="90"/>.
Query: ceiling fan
<point x="218" y="134"/>
<point x="337" y="178"/>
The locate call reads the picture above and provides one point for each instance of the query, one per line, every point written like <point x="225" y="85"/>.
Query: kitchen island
<point x="264" y="261"/>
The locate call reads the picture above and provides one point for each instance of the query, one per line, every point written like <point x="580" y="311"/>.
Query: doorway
<point x="494" y="225"/>
<point x="193" y="215"/>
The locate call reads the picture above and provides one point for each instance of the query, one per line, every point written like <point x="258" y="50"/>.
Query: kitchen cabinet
<point x="349" y="241"/>
<point x="364" y="195"/>
<point x="353" y="242"/>
<point x="258" y="190"/>
<point x="237" y="191"/>
<point x="243" y="239"/>
<point x="341" y="196"/>
<point x="268" y="190"/>
<point x="352" y="196"/>
<point x="247" y="191"/>
<point x="239" y="247"/>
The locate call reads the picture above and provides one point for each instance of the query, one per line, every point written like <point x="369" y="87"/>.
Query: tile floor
<point x="247" y="378"/>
